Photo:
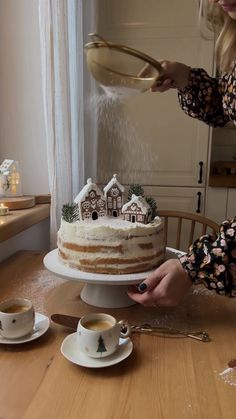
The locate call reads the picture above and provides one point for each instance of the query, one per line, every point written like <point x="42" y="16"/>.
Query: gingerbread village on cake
<point x="93" y="204"/>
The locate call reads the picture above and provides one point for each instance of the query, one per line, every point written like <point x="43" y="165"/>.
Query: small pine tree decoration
<point x="70" y="212"/>
<point x="101" y="346"/>
<point x="153" y="205"/>
<point x="135" y="189"/>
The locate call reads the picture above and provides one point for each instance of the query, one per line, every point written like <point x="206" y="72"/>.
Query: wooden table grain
<point x="163" y="378"/>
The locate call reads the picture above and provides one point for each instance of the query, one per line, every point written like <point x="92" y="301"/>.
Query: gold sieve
<point x="120" y="70"/>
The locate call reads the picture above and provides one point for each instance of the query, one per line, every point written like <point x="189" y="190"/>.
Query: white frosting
<point x="111" y="243"/>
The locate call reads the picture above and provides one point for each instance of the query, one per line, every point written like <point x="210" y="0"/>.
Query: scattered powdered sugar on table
<point x="43" y="279"/>
<point x="179" y="317"/>
<point x="176" y="319"/>
<point x="229" y="376"/>
<point x="203" y="292"/>
<point x="169" y="320"/>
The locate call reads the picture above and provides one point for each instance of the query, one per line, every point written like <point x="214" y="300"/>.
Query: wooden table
<point x="174" y="378"/>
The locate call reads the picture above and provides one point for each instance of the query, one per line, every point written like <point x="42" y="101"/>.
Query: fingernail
<point x="142" y="287"/>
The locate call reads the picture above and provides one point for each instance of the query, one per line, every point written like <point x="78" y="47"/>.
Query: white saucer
<point x="40" y="327"/>
<point x="70" y="352"/>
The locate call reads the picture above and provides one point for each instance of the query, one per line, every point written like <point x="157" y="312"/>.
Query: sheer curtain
<point x="70" y="130"/>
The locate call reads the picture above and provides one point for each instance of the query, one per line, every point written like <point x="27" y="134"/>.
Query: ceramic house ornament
<point x="91" y="202"/>
<point x="114" y="193"/>
<point x="137" y="210"/>
<point x="10" y="178"/>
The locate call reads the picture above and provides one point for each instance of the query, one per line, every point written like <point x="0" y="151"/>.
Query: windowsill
<point x="19" y="220"/>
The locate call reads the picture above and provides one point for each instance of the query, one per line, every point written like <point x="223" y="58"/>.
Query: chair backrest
<point x="182" y="228"/>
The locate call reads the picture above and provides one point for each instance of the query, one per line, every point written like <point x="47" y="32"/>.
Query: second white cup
<point x="98" y="334"/>
<point x="16" y="318"/>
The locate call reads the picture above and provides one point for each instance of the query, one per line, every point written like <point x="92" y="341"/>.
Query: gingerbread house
<point x="114" y="193"/>
<point x="137" y="210"/>
<point x="91" y="202"/>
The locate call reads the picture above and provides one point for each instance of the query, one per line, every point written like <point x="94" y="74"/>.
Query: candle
<point x="4" y="210"/>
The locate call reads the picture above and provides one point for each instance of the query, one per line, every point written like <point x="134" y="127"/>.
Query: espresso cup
<point x="98" y="334"/>
<point x="16" y="318"/>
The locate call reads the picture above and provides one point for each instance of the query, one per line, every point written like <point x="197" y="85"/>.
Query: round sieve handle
<point x="96" y="36"/>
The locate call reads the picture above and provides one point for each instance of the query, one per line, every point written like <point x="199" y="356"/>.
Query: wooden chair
<point x="185" y="228"/>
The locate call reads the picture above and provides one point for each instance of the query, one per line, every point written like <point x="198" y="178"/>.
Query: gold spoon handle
<point x="199" y="335"/>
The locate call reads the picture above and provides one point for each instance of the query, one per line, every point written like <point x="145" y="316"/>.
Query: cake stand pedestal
<point x="100" y="290"/>
<point x="107" y="296"/>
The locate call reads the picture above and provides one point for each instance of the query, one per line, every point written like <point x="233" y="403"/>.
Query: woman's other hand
<point x="165" y="287"/>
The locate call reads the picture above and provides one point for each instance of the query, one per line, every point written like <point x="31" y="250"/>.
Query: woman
<point x="211" y="260"/>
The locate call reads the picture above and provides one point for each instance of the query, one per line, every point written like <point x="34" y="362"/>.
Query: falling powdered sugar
<point x="120" y="147"/>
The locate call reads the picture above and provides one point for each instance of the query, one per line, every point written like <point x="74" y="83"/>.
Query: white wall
<point x="22" y="132"/>
<point x="34" y="238"/>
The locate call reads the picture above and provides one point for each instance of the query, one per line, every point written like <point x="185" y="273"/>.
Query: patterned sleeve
<point x="202" y="98"/>
<point x="212" y="260"/>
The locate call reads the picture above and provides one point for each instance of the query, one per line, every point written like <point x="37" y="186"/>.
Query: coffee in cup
<point x="15" y="308"/>
<point x="98" y="334"/>
<point x="98" y="324"/>
<point x="16" y="318"/>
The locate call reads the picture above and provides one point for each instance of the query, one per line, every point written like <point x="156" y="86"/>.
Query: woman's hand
<point x="175" y="76"/>
<point x="166" y="286"/>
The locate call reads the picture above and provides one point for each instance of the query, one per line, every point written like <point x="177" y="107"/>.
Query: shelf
<point x="222" y="181"/>
<point x="19" y="220"/>
<point x="223" y="174"/>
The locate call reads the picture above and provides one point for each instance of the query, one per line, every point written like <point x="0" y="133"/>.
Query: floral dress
<point x="212" y="100"/>
<point x="212" y="259"/>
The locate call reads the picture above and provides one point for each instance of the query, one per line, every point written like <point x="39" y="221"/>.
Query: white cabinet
<point x="148" y="139"/>
<point x="180" y="199"/>
<point x="231" y="203"/>
<point x="220" y="203"/>
<point x="216" y="203"/>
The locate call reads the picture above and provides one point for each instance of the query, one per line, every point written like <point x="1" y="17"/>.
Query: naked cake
<point x="104" y="235"/>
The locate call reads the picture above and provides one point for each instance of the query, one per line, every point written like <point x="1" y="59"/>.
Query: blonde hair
<point x="225" y="29"/>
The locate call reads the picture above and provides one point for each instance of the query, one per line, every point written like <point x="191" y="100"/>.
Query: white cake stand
<point x="100" y="290"/>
